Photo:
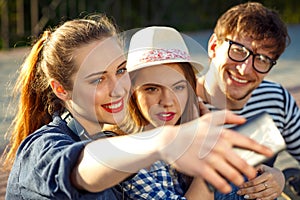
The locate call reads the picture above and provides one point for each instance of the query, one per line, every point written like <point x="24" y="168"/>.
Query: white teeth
<point x="165" y="115"/>
<point x="238" y="80"/>
<point x="114" y="106"/>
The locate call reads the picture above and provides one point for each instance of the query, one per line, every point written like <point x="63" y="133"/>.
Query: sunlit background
<point x="22" y="20"/>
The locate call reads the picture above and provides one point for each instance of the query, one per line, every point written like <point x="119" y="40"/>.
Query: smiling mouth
<point x="166" y="116"/>
<point x="114" y="107"/>
<point x="237" y="79"/>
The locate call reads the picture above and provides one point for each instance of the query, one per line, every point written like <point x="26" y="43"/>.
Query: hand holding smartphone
<point x="263" y="130"/>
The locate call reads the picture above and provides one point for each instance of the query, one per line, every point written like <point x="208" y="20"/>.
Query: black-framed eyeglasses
<point x="239" y="53"/>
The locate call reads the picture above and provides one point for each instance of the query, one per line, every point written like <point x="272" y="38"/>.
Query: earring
<point x="60" y="89"/>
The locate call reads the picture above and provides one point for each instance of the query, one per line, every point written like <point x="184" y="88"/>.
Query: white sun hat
<point x="157" y="45"/>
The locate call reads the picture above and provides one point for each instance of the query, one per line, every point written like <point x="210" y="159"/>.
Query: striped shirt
<point x="278" y="102"/>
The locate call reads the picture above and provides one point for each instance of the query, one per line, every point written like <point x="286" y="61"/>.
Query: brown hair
<point x="50" y="57"/>
<point x="135" y="122"/>
<point x="257" y="22"/>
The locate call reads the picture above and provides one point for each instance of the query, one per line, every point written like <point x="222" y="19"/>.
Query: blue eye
<point x="180" y="87"/>
<point x="122" y="70"/>
<point x="97" y="81"/>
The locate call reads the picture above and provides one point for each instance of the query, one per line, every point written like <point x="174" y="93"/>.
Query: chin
<point x="113" y="120"/>
<point x="156" y="125"/>
<point x="238" y="98"/>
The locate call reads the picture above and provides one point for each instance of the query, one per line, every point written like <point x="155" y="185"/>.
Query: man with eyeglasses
<point x="247" y="41"/>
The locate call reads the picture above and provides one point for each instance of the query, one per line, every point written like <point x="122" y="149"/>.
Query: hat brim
<point x="198" y="67"/>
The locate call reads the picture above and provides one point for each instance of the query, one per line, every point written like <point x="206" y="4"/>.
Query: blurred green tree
<point x="22" y="19"/>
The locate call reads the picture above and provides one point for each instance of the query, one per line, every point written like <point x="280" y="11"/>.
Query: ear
<point x="59" y="90"/>
<point x="212" y="43"/>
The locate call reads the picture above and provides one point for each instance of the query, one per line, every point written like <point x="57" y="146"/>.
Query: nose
<point x="246" y="66"/>
<point x="116" y="88"/>
<point x="167" y="98"/>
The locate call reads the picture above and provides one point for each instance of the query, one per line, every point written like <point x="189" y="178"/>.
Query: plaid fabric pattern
<point x="160" y="182"/>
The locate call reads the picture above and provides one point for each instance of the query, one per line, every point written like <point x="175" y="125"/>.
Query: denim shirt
<point x="43" y="166"/>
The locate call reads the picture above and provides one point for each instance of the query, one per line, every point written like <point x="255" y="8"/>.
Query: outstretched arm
<point x="201" y="147"/>
<point x="199" y="190"/>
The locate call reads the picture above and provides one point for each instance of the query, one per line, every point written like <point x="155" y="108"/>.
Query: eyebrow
<point x="181" y="81"/>
<point x="103" y="72"/>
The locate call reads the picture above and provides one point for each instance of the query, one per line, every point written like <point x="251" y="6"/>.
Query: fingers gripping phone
<point x="263" y="130"/>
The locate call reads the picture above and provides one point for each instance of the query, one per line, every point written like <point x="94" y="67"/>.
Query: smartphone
<point x="263" y="130"/>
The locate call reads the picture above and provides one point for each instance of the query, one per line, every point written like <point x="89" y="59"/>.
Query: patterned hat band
<point x="164" y="54"/>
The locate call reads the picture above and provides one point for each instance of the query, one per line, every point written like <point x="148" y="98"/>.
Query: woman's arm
<point x="198" y="148"/>
<point x="114" y="159"/>
<point x="199" y="190"/>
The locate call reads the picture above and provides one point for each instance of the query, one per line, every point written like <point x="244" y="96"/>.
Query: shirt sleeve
<point x="43" y="166"/>
<point x="153" y="184"/>
<point x="291" y="130"/>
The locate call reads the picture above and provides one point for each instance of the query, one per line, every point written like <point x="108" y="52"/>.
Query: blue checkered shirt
<point x="160" y="182"/>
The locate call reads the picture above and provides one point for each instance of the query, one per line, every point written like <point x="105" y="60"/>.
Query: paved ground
<point x="9" y="62"/>
<point x="286" y="72"/>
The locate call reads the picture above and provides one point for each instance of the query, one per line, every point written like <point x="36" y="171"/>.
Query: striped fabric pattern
<point x="279" y="103"/>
